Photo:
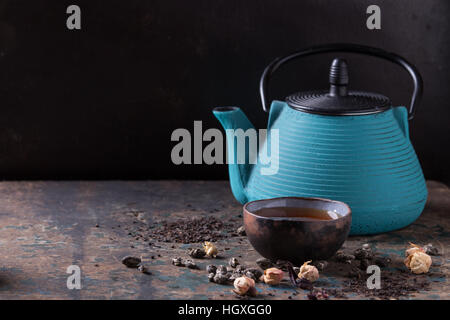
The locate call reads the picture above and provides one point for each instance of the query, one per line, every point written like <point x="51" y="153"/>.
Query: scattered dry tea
<point x="187" y="230"/>
<point x="131" y="262"/>
<point x="308" y="272"/>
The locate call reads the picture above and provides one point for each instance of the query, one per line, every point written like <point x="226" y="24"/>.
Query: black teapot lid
<point x="338" y="100"/>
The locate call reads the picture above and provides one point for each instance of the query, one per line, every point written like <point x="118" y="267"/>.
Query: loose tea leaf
<point x="131" y="262"/>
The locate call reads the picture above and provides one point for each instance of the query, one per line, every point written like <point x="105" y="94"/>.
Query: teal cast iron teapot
<point x="340" y="144"/>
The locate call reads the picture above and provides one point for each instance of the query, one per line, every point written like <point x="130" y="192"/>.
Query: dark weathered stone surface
<point x="47" y="226"/>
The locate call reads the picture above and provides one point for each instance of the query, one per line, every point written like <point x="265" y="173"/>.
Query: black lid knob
<point x="338" y="77"/>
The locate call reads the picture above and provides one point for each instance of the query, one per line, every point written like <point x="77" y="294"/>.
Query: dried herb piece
<point x="320" y="265"/>
<point x="241" y="231"/>
<point x="190" y="264"/>
<point x="178" y="262"/>
<point x="363" y="254"/>
<point x="211" y="269"/>
<point x="221" y="278"/>
<point x="233" y="262"/>
<point x="430" y="250"/>
<point x="222" y="269"/>
<point x="131" y="262"/>
<point x="264" y="263"/>
<point x="197" y="253"/>
<point x="144" y="269"/>
<point x="363" y="264"/>
<point x="382" y="262"/>
<point x="343" y="257"/>
<point x="240" y="268"/>
<point x="253" y="273"/>
<point x="318" y="294"/>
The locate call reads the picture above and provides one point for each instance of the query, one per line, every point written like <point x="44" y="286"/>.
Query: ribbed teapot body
<point x="366" y="161"/>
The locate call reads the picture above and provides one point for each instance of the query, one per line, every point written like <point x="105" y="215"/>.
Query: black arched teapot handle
<point x="345" y="47"/>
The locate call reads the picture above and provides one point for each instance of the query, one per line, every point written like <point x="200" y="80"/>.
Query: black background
<point x="102" y="102"/>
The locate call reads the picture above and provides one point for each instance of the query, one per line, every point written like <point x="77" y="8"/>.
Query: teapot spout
<point x="232" y="119"/>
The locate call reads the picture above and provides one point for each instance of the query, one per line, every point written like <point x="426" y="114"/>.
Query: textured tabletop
<point x="47" y="226"/>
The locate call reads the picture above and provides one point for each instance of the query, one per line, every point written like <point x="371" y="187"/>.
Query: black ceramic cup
<point x="295" y="239"/>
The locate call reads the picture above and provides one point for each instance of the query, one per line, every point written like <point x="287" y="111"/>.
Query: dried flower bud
<point x="418" y="262"/>
<point x="273" y="276"/>
<point x="308" y="272"/>
<point x="244" y="285"/>
<point x="210" y="249"/>
<point x="413" y="248"/>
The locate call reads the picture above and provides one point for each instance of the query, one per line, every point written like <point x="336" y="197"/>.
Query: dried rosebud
<point x="244" y="286"/>
<point x="210" y="249"/>
<point x="308" y="272"/>
<point x="273" y="276"/>
<point x="418" y="262"/>
<point x="413" y="248"/>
